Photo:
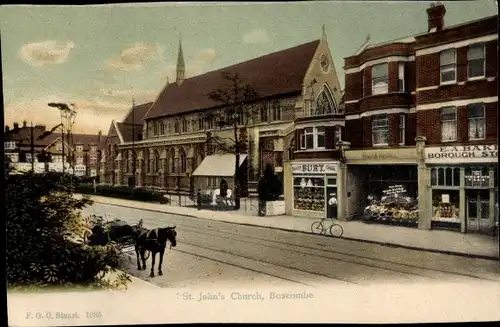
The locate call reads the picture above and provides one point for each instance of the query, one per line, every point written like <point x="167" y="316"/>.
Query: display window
<point x="311" y="191"/>
<point x="445" y="205"/>
<point x="477" y="177"/>
<point x="445" y="176"/>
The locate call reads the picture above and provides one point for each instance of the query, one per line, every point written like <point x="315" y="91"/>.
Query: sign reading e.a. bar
<point x="462" y="154"/>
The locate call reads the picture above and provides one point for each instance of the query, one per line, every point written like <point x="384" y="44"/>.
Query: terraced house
<point x="427" y="106"/>
<point x="289" y="84"/>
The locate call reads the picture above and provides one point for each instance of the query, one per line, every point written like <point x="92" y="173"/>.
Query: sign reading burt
<point x="315" y="168"/>
<point x="462" y="153"/>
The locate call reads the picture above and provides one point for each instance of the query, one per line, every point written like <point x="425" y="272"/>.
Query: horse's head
<point x="167" y="233"/>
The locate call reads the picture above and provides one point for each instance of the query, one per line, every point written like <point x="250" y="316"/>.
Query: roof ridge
<point x="255" y="58"/>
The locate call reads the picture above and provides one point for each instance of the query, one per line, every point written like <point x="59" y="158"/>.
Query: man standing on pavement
<point x="332" y="204"/>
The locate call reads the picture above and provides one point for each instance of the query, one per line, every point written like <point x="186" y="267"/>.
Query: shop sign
<point x="478" y="153"/>
<point x="394" y="190"/>
<point x="317" y="168"/>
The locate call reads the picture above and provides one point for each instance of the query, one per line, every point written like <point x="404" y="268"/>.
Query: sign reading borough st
<point x="462" y="153"/>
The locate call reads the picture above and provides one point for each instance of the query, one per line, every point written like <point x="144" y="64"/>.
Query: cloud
<point x="256" y="36"/>
<point x="92" y="114"/>
<point x="46" y="53"/>
<point x="207" y="55"/>
<point x="135" y="57"/>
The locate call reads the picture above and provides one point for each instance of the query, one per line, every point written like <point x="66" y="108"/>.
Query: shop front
<point x="463" y="187"/>
<point x="314" y="189"/>
<point x="392" y="195"/>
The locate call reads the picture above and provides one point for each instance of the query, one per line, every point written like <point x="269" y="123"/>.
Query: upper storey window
<point x="380" y="130"/>
<point x="380" y="77"/>
<point x="476" y="65"/>
<point x="448" y="66"/>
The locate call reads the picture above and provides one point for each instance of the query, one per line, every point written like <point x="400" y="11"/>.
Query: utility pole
<point x="133" y="144"/>
<point x="32" y="145"/>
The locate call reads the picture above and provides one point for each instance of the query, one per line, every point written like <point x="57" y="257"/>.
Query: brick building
<point x="421" y="112"/>
<point x="81" y="152"/>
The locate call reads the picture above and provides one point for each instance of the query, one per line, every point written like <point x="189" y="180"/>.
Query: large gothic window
<point x="324" y="104"/>
<point x="183" y="163"/>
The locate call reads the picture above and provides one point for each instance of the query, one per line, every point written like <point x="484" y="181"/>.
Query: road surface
<point x="213" y="254"/>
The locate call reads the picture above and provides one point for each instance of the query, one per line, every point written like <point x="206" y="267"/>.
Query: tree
<point x="235" y="98"/>
<point x="44" y="228"/>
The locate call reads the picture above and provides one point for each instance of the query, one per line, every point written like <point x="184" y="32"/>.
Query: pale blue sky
<point x="95" y="56"/>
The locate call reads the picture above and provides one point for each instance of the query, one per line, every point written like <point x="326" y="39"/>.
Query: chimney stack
<point x="16" y="125"/>
<point x="435" y="17"/>
<point x="7" y="128"/>
<point x="99" y="135"/>
<point x="25" y="123"/>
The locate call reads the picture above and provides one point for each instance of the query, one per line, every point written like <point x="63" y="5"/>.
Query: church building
<point x="180" y="129"/>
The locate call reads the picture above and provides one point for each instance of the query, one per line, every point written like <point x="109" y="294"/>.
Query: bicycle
<point x="318" y="227"/>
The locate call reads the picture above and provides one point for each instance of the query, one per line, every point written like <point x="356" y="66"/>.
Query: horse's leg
<point x="143" y="256"/>
<point x="153" y="256"/>
<point x="137" y="255"/>
<point x="162" y="251"/>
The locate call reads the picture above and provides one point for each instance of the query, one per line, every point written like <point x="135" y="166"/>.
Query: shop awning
<point x="220" y="165"/>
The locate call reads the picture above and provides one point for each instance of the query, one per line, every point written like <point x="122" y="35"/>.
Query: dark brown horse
<point x="154" y="241"/>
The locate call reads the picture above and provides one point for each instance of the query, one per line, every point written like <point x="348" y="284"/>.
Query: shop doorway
<point x="478" y="210"/>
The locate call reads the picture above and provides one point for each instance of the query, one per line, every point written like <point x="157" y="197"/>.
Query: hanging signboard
<point x="462" y="153"/>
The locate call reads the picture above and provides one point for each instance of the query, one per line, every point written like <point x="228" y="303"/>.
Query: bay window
<point x="380" y="130"/>
<point x="475" y="61"/>
<point x="380" y="84"/>
<point x="401" y="77"/>
<point x="448" y="66"/>
<point x="448" y="124"/>
<point x="312" y="138"/>
<point x="476" y="116"/>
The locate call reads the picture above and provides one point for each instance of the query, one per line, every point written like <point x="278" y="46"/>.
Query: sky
<point x="99" y="57"/>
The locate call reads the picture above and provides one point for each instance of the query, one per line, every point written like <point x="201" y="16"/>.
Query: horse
<point x="154" y="241"/>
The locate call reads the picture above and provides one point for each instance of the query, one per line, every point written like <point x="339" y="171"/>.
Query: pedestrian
<point x="332" y="203"/>
<point x="198" y="200"/>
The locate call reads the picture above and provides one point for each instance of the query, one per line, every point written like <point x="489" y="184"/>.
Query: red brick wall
<point x="429" y="125"/>
<point x="492" y="58"/>
<point x="367" y="131"/>
<point x="393" y="68"/>
<point x="411" y="128"/>
<point x="353" y="86"/>
<point x="367" y="85"/>
<point x="354" y="132"/>
<point x="471" y="89"/>
<point x="383" y="101"/>
<point x="427" y="70"/>
<point x="394" y="130"/>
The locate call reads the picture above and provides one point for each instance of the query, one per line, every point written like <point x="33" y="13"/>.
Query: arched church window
<point x="183" y="163"/>
<point x="324" y="103"/>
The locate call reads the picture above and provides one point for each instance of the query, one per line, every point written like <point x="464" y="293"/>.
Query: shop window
<point x="380" y="130"/>
<point x="445" y="205"/>
<point x="476" y="63"/>
<point x="476" y="115"/>
<point x="380" y="77"/>
<point x="309" y="193"/>
<point x="445" y="176"/>
<point x="312" y="138"/>
<point x="448" y="124"/>
<point x="448" y="66"/>
<point x="477" y="177"/>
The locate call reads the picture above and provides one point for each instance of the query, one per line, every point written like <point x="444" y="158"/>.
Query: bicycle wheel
<point x="317" y="227"/>
<point x="336" y="230"/>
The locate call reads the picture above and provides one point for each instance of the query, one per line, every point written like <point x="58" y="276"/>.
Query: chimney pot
<point x="7" y="128"/>
<point x="435" y="17"/>
<point x="16" y="125"/>
<point x="25" y="123"/>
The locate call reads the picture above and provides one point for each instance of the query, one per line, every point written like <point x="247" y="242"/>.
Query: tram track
<point x="323" y="253"/>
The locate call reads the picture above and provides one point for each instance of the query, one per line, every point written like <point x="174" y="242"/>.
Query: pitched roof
<point x="270" y="75"/>
<point x="130" y="131"/>
<point x="136" y="115"/>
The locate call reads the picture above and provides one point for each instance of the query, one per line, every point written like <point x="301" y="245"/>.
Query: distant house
<point x="24" y="145"/>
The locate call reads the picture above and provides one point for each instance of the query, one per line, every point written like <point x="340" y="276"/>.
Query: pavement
<point x="440" y="241"/>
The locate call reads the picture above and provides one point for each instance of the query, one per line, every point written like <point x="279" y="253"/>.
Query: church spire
<point x="181" y="68"/>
